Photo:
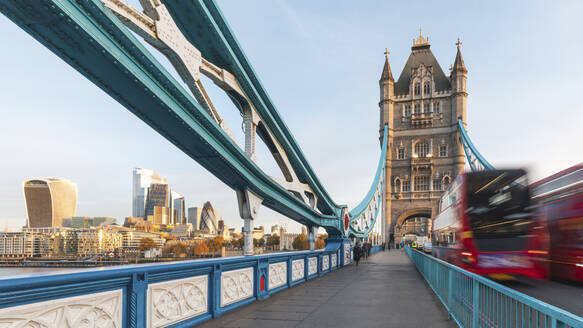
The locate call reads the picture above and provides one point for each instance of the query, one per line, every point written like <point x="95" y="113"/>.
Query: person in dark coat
<point x="357" y="253"/>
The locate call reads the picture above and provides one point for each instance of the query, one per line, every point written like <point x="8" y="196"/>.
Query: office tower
<point x="208" y="219"/>
<point x="178" y="208"/>
<point x="48" y="201"/>
<point x="194" y="214"/>
<point x="142" y="179"/>
<point x="158" y="196"/>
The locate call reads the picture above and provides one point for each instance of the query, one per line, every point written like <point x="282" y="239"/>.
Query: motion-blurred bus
<point x="559" y="201"/>
<point x="485" y="225"/>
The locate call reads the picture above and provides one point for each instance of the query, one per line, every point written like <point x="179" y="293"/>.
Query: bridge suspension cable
<point x="363" y="217"/>
<point x="476" y="161"/>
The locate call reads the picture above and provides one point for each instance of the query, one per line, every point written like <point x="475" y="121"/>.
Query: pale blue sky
<point x="320" y="62"/>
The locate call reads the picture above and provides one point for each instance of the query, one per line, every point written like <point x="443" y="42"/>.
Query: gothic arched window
<point x="422" y="149"/>
<point x="426" y="108"/>
<point x="417" y="88"/>
<point x="427" y="88"/>
<point x="417" y="109"/>
<point x="397" y="185"/>
<point x="436" y="108"/>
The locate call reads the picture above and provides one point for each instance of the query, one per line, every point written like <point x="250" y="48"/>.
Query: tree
<point x="258" y="242"/>
<point x="273" y="240"/>
<point x="300" y="242"/>
<point x="147" y="243"/>
<point x="239" y="242"/>
<point x="215" y="244"/>
<point x="201" y="248"/>
<point x="321" y="241"/>
<point x="179" y="249"/>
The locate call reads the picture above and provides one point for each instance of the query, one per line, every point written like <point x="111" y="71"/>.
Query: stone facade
<point x="425" y="153"/>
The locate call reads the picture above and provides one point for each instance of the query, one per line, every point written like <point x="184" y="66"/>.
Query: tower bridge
<point x="424" y="145"/>
<point x="421" y="110"/>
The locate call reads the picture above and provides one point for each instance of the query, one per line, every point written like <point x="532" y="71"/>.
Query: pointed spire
<point x="387" y="75"/>
<point x="458" y="64"/>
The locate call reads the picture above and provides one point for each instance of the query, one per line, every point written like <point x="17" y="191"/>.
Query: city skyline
<point x="505" y="137"/>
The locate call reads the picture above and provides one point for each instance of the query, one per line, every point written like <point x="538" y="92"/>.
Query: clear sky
<point x="320" y="62"/>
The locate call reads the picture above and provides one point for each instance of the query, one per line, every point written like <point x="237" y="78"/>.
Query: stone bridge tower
<point x="425" y="152"/>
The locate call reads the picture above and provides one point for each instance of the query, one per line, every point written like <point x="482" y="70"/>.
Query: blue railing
<point x="179" y="294"/>
<point x="474" y="301"/>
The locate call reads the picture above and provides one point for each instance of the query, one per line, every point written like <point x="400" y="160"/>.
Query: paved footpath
<point x="384" y="291"/>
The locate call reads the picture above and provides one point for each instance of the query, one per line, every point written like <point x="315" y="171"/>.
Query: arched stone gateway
<point x="413" y="221"/>
<point x="421" y="110"/>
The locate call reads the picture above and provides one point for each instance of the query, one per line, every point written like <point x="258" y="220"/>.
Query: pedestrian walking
<point x="357" y="252"/>
<point x="389" y="246"/>
<point x="364" y="252"/>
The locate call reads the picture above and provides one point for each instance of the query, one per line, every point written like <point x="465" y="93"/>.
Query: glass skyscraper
<point x="142" y="179"/>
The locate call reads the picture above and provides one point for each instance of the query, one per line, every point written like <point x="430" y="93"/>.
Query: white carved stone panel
<point x="297" y="269"/>
<point x="236" y="285"/>
<point x="312" y="266"/>
<point x="334" y="260"/>
<point x="346" y="254"/>
<point x="277" y="274"/>
<point x="103" y="310"/>
<point x="325" y="262"/>
<point x="173" y="301"/>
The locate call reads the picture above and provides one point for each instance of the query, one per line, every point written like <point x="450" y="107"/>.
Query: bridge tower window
<point x="401" y="153"/>
<point x="436" y="108"/>
<point x="408" y="110"/>
<point x="422" y="183"/>
<point x="442" y="150"/>
<point x="397" y="185"/>
<point x="422" y="149"/>
<point x="417" y="109"/>
<point x="437" y="186"/>
<point x="426" y="108"/>
<point x="417" y="88"/>
<point x="427" y="88"/>
<point x="406" y="186"/>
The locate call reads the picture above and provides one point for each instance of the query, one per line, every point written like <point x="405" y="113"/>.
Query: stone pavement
<point x="384" y="291"/>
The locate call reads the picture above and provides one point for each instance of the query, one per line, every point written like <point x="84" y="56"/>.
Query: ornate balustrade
<point x="179" y="294"/>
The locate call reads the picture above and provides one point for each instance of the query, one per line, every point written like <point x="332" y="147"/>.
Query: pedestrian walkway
<point x="383" y="291"/>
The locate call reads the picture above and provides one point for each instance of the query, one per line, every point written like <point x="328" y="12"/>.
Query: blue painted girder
<point x="91" y="39"/>
<point x="203" y="24"/>
<point x="471" y="151"/>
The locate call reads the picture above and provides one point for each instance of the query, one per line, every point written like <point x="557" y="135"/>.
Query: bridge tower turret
<point x="386" y="104"/>
<point x="458" y="77"/>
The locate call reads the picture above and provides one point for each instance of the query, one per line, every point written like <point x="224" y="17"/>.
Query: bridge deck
<point x="384" y="291"/>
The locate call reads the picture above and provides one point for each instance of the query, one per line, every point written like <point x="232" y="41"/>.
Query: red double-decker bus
<point x="486" y="226"/>
<point x="559" y="202"/>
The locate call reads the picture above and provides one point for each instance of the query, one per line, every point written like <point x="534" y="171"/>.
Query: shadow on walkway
<point x="383" y="291"/>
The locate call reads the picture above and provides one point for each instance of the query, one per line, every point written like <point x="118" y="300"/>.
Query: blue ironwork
<point x="89" y="37"/>
<point x="134" y="281"/>
<point x="474" y="301"/>
<point x="476" y="161"/>
<point x="372" y="203"/>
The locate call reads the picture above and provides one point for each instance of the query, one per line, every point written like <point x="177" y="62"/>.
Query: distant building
<point x="142" y="179"/>
<point x="286" y="240"/>
<point x="158" y="196"/>
<point x="48" y="201"/>
<point x="182" y="230"/>
<point x="208" y="219"/>
<point x="23" y="244"/>
<point x="131" y="239"/>
<point x="178" y="209"/>
<point x="258" y="232"/>
<point x="277" y="229"/>
<point x="194" y="214"/>
<point x="87" y="222"/>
